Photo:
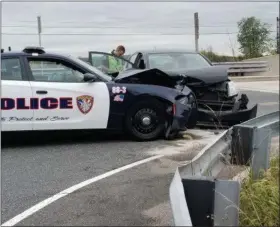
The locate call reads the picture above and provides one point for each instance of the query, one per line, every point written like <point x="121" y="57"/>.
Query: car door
<point x="17" y="114"/>
<point x="101" y="60"/>
<point x="64" y="100"/>
<point x="138" y="60"/>
<point x="133" y="58"/>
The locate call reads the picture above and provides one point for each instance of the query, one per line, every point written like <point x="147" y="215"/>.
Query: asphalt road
<point x="34" y="169"/>
<point x="267" y="102"/>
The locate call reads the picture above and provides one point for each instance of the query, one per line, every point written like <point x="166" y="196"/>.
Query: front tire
<point x="146" y="120"/>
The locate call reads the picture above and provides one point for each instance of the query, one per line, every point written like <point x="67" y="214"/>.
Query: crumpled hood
<point x="208" y="75"/>
<point x="146" y="76"/>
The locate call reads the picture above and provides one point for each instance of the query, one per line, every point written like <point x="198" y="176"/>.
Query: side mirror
<point x="88" y="77"/>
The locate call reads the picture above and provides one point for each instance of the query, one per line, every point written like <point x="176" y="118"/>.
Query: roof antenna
<point x="9" y="48"/>
<point x="2" y="50"/>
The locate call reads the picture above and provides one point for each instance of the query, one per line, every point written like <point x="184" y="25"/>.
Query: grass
<point x="259" y="199"/>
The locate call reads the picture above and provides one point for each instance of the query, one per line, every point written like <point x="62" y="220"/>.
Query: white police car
<point x="44" y="91"/>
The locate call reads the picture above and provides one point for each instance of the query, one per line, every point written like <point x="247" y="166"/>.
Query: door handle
<point x="41" y="92"/>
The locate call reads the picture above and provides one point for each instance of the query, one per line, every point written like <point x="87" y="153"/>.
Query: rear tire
<point x="146" y="120"/>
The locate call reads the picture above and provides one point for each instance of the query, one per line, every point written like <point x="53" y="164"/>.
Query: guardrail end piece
<point x="199" y="194"/>
<point x="181" y="215"/>
<point x="260" y="156"/>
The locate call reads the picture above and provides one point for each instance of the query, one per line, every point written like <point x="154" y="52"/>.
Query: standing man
<point x="120" y="51"/>
<point x="116" y="64"/>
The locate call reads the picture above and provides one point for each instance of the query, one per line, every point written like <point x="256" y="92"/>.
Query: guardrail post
<point x="261" y="152"/>
<point x="242" y="144"/>
<point x="251" y="146"/>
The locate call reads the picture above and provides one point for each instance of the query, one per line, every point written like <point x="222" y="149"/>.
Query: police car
<point x="46" y="91"/>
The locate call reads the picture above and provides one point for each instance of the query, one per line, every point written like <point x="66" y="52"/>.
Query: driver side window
<point x="54" y="71"/>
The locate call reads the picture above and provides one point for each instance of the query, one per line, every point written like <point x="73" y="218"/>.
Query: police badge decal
<point x="85" y="103"/>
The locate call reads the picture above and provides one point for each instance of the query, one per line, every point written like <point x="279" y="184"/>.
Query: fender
<point x="122" y="96"/>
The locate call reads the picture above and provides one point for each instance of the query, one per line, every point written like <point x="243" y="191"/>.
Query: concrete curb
<point x="253" y="78"/>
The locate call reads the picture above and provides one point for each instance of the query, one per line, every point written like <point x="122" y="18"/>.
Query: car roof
<point x="30" y="51"/>
<point x="155" y="51"/>
<point x="144" y="51"/>
<point x="21" y="53"/>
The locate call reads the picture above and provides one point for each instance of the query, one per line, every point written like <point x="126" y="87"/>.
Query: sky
<point x="78" y="27"/>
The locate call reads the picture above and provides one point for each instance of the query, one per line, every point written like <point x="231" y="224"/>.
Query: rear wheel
<point x="146" y="120"/>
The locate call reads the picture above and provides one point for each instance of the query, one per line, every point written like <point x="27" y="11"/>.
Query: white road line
<point x="70" y="190"/>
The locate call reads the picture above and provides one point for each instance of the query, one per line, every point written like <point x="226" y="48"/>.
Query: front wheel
<point x="146" y="120"/>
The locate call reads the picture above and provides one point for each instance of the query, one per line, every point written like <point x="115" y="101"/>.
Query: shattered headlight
<point x="231" y="89"/>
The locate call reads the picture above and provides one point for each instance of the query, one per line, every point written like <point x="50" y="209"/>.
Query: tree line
<point x="254" y="38"/>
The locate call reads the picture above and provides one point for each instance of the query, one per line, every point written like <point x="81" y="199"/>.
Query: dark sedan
<point x="219" y="102"/>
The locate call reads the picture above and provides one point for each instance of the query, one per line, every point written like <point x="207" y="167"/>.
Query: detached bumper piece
<point x="237" y="114"/>
<point x="179" y="120"/>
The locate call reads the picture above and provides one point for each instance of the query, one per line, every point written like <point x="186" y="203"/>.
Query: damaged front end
<point x="182" y="100"/>
<point x="221" y="106"/>
<point x="218" y="102"/>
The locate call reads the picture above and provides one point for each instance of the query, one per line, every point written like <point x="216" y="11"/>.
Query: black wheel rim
<point x="145" y="121"/>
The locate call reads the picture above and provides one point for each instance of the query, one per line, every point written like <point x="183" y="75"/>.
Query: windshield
<point x="177" y="61"/>
<point x="92" y="68"/>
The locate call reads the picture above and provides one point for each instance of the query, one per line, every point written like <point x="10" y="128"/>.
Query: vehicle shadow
<point x="70" y="137"/>
<point x="25" y="139"/>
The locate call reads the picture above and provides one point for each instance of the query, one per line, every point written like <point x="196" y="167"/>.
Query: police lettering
<point x="36" y="103"/>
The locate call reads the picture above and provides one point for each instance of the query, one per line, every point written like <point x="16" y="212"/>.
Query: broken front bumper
<point x="236" y="113"/>
<point x="179" y="119"/>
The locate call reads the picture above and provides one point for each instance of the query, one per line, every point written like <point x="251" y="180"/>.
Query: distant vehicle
<point x="45" y="91"/>
<point x="219" y="102"/>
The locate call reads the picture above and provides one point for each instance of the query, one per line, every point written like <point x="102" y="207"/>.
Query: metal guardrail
<point x="234" y="67"/>
<point x="245" y="67"/>
<point x="204" y="161"/>
<point x="197" y="194"/>
<point x="251" y="142"/>
<point x="238" y="63"/>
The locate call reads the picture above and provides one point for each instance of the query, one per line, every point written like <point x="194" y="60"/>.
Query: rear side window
<point x="11" y="69"/>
